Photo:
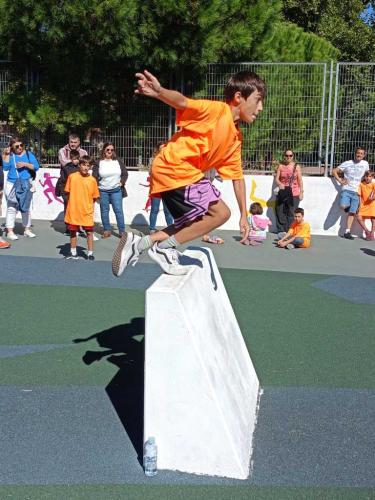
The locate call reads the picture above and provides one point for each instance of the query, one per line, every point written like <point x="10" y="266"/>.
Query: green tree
<point x="340" y="23"/>
<point x="86" y="52"/>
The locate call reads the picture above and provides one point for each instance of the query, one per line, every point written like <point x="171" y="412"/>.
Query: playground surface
<point x="71" y="371"/>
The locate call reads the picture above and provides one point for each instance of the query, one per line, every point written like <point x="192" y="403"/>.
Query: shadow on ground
<point x="124" y="347"/>
<point x="368" y="251"/>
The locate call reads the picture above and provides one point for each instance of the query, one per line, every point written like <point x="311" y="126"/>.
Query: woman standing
<point x="111" y="175"/>
<point x="290" y="190"/>
<point x="21" y="166"/>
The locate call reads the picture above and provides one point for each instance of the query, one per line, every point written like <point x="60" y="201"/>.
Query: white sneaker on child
<point x="126" y="253"/>
<point x="29" y="234"/>
<point x="12" y="236"/>
<point x="168" y="260"/>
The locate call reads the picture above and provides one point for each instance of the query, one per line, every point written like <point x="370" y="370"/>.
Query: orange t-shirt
<point x="367" y="207"/>
<point x="301" y="231"/>
<point x="208" y="138"/>
<point x="82" y="192"/>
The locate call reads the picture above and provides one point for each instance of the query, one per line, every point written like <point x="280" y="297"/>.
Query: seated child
<point x="83" y="191"/>
<point x="298" y="235"/>
<point x="258" y="225"/>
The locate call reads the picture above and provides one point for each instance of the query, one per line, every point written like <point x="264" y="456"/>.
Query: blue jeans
<point x="112" y="197"/>
<point x="155" y="205"/>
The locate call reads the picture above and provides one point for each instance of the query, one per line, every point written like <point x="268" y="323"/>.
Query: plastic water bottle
<point x="150" y="457"/>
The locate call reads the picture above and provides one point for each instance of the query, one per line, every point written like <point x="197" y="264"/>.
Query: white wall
<point x="320" y="203"/>
<point x="201" y="389"/>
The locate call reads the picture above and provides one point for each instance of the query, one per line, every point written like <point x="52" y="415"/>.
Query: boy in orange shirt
<point x="209" y="137"/>
<point x="299" y="235"/>
<point x="83" y="191"/>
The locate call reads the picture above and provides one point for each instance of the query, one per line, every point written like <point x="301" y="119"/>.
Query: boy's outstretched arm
<point x="240" y="192"/>
<point x="149" y="86"/>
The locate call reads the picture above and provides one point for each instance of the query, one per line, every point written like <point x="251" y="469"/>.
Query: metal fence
<point x="320" y="110"/>
<point x="353" y="120"/>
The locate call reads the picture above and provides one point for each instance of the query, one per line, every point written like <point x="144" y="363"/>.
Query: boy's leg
<point x="90" y="243"/>
<point x="361" y="222"/>
<point x="73" y="244"/>
<point x="298" y="242"/>
<point x="218" y="213"/>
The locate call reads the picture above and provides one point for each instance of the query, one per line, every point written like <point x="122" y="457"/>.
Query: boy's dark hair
<point x="74" y="154"/>
<point x="85" y="159"/>
<point x="299" y="211"/>
<point x="368" y="173"/>
<point x="245" y="82"/>
<point x="256" y="208"/>
<point x="360" y="148"/>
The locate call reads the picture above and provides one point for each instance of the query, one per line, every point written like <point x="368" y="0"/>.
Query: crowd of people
<point x="209" y="140"/>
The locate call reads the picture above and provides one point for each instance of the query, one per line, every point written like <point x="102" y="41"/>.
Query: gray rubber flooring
<point x="304" y="437"/>
<point x="73" y="435"/>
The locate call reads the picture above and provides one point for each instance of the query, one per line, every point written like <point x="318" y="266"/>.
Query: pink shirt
<point x="64" y="154"/>
<point x="286" y="172"/>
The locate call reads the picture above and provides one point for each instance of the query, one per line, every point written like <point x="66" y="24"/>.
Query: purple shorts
<point x="191" y="202"/>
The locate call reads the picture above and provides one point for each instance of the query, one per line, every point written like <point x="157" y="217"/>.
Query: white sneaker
<point x="126" y="253"/>
<point x="168" y="260"/>
<point x="95" y="238"/>
<point x="12" y="236"/>
<point x="29" y="234"/>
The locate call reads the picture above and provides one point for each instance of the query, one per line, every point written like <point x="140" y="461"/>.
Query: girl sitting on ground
<point x="258" y="225"/>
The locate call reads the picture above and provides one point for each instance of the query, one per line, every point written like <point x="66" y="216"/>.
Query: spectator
<point x="349" y="175"/>
<point x="289" y="190"/>
<point x="258" y="225"/>
<point x="83" y="192"/>
<point x="3" y="243"/>
<point x="21" y="166"/>
<point x="73" y="144"/>
<point x="299" y="235"/>
<point x="111" y="175"/>
<point x="65" y="171"/>
<point x="155" y="201"/>
<point x="367" y="204"/>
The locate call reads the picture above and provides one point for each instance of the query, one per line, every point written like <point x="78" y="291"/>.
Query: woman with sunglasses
<point x="21" y="166"/>
<point x="111" y="175"/>
<point x="290" y="190"/>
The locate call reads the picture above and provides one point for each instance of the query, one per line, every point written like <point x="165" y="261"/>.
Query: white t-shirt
<point x="353" y="173"/>
<point x="110" y="174"/>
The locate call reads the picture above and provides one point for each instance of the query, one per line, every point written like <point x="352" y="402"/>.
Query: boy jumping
<point x="209" y="137"/>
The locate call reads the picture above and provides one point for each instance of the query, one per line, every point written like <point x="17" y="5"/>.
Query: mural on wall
<point x="49" y="188"/>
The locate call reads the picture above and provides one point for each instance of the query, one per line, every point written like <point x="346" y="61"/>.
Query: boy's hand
<point x="148" y="85"/>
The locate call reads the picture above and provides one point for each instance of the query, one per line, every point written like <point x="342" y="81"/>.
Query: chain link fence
<point x="322" y="111"/>
<point x="353" y="122"/>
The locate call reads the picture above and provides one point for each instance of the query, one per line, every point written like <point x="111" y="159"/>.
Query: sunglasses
<point x="20" y="145"/>
<point x="109" y="150"/>
<point x="288" y="156"/>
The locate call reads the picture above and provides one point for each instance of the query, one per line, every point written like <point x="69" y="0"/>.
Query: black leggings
<point x="285" y="214"/>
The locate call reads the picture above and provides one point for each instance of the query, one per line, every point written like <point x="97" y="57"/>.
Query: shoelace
<point x="175" y="256"/>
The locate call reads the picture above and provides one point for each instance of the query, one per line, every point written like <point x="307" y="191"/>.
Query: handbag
<point x="285" y="195"/>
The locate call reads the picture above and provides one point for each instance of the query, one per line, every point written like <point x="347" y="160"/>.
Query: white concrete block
<point x="201" y="389"/>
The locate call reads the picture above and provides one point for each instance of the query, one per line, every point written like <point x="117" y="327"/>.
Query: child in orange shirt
<point x="299" y="235"/>
<point x="209" y="137"/>
<point x="83" y="191"/>
<point x="366" y="210"/>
